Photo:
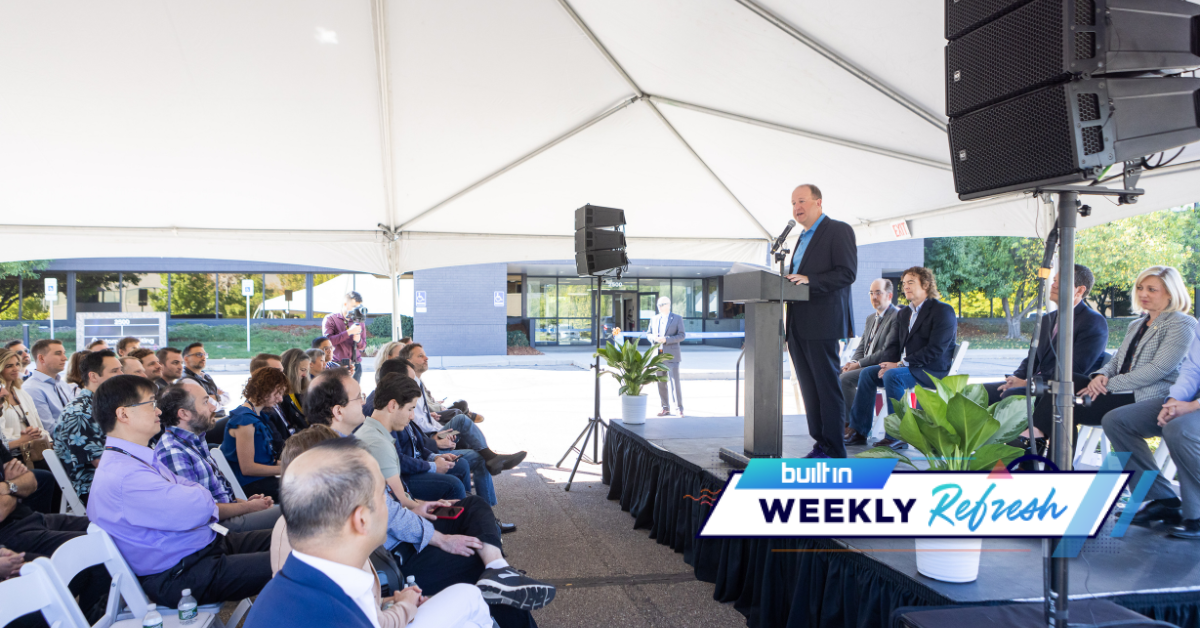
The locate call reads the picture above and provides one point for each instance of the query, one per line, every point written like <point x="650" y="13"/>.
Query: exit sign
<point x="900" y="230"/>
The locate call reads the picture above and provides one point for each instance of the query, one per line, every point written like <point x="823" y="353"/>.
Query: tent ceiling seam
<point x="845" y="64"/>
<point x="803" y="133"/>
<point x="534" y="153"/>
<point x="587" y="31"/>
<point x="383" y="69"/>
<point x="419" y="235"/>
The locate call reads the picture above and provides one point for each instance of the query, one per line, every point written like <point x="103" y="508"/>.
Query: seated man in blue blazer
<point x="1090" y="333"/>
<point x="926" y="330"/>
<point x="336" y="515"/>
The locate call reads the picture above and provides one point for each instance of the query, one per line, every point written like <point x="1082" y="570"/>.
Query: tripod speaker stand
<point x="595" y="427"/>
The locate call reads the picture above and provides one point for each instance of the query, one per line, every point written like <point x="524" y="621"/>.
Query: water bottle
<point x="410" y="581"/>
<point x="153" y="619"/>
<point x="187" y="608"/>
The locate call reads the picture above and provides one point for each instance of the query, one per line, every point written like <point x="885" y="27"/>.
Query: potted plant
<point x="633" y="369"/>
<point x="956" y="430"/>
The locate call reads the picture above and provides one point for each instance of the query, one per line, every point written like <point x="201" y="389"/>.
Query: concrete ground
<point x="607" y="572"/>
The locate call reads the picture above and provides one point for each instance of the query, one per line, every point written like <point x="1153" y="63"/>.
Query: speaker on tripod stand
<point x="599" y="251"/>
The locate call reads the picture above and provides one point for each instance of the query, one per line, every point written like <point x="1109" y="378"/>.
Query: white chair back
<point x="39" y="589"/>
<point x="227" y="471"/>
<point x="71" y="504"/>
<point x="959" y="354"/>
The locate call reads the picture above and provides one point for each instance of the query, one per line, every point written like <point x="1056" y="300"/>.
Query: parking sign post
<point x="247" y="291"/>
<point x="51" y="297"/>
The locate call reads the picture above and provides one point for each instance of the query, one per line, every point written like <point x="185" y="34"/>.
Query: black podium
<point x="760" y="292"/>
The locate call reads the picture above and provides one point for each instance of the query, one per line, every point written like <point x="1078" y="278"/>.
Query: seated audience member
<point x="925" y="343"/>
<point x="20" y="422"/>
<point x="24" y="529"/>
<point x="78" y="439"/>
<point x="74" y="376"/>
<point x="444" y="563"/>
<point x="128" y="345"/>
<point x="50" y="395"/>
<point x="187" y="415"/>
<point x="317" y="362"/>
<point x="172" y="366"/>
<point x="336" y="400"/>
<point x="335" y="517"/>
<point x="388" y="351"/>
<point x="195" y="358"/>
<point x="266" y="359"/>
<point x="415" y="353"/>
<point x="1177" y="421"/>
<point x="152" y="366"/>
<point x="1090" y="334"/>
<point x="1146" y="364"/>
<point x="326" y="347"/>
<point x="162" y="523"/>
<point x="295" y="368"/>
<point x="98" y="345"/>
<point x="132" y="366"/>
<point x="19" y="348"/>
<point x="872" y="349"/>
<point x="274" y="414"/>
<point x="251" y="444"/>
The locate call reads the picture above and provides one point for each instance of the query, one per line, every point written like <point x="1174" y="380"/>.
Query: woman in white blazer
<point x="19" y="421"/>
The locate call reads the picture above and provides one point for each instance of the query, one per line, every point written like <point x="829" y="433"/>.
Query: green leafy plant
<point x="955" y="428"/>
<point x="632" y="368"/>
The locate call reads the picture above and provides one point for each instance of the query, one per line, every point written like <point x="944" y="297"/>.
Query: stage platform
<point x="662" y="470"/>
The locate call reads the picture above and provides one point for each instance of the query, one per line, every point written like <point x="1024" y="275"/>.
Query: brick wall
<point x="876" y="259"/>
<point x="461" y="317"/>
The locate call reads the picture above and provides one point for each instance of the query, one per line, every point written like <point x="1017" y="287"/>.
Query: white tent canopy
<point x="393" y="135"/>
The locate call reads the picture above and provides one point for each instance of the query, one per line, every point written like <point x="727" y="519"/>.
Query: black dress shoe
<point x="505" y="528"/>
<point x="504" y="462"/>
<point x="1166" y="510"/>
<point x="895" y="444"/>
<point x="855" y="439"/>
<point x="1187" y="529"/>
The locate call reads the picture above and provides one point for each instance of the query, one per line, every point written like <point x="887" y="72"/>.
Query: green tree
<point x="1117" y="251"/>
<point x="1000" y="267"/>
<point x="10" y="275"/>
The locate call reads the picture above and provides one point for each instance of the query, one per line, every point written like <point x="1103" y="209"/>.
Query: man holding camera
<point x="345" y="330"/>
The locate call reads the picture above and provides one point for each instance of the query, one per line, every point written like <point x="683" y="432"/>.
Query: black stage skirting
<point x="655" y="471"/>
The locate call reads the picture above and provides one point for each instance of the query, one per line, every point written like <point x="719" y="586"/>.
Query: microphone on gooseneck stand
<point x="783" y="236"/>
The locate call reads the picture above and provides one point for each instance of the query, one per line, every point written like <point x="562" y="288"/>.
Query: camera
<point x="356" y="315"/>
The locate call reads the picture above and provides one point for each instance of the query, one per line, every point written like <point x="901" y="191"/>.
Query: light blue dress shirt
<point x="50" y="395"/>
<point x="1188" y="385"/>
<point x="802" y="245"/>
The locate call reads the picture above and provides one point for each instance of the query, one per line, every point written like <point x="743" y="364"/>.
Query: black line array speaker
<point x="599" y="240"/>
<point x="1045" y="92"/>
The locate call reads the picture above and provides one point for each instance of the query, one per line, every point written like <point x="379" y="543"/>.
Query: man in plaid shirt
<point x="187" y="414"/>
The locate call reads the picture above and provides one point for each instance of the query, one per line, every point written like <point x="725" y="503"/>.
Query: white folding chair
<point x="227" y="471"/>
<point x="98" y="547"/>
<point x="39" y="589"/>
<point x="1162" y="460"/>
<point x="71" y="504"/>
<point x="1085" y="446"/>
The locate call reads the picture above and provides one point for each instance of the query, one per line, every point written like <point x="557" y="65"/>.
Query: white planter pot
<point x="949" y="560"/>
<point x="633" y="409"/>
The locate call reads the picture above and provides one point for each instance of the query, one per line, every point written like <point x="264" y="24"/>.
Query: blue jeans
<point x="894" y="381"/>
<point x="430" y="486"/>
<point x="472" y="439"/>
<point x="469" y="434"/>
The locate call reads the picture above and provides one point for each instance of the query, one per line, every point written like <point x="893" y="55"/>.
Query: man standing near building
<point x="45" y="385"/>
<point x="666" y="331"/>
<point x="195" y="358"/>
<point x="826" y="260"/>
<point x="348" y="340"/>
<point x="877" y="345"/>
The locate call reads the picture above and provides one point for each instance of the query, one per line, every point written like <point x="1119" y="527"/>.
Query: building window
<point x="98" y="292"/>
<point x="142" y="292"/>
<point x="513" y="298"/>
<point x="285" y="297"/>
<point x="34" y="306"/>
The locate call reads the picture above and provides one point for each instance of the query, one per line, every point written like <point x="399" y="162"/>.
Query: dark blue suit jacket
<point x="929" y="347"/>
<point x="410" y="464"/>
<point x="301" y="597"/>
<point x="831" y="263"/>
<point x="1091" y="336"/>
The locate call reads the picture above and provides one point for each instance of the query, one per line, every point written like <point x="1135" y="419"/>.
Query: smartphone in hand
<point x="447" y="512"/>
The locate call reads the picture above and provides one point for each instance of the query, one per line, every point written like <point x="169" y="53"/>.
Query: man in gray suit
<point x="666" y="331"/>
<point x="876" y="346"/>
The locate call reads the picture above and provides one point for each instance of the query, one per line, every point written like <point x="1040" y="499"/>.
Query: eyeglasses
<point x="877" y="293"/>
<point x="152" y="401"/>
<point x="197" y="354"/>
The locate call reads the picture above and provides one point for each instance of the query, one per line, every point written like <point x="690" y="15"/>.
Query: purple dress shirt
<point x="155" y="517"/>
<point x="344" y="347"/>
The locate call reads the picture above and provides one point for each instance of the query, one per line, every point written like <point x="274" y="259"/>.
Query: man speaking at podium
<point x="826" y="258"/>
